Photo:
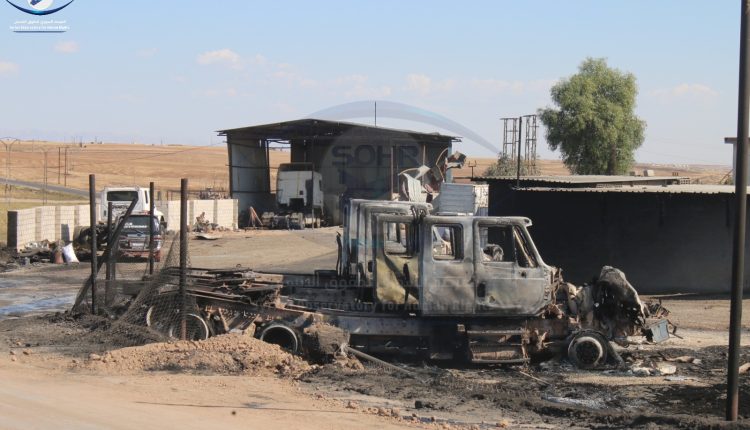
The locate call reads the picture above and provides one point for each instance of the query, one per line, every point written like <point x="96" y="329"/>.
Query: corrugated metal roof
<point x="309" y="127"/>
<point x="582" y="179"/>
<point x="666" y="189"/>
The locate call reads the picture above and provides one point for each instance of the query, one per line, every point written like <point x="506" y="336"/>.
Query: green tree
<point x="594" y="125"/>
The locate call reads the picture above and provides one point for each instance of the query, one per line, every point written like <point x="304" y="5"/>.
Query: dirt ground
<point x="51" y="379"/>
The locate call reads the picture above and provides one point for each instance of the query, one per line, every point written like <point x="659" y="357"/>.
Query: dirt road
<point x="35" y="397"/>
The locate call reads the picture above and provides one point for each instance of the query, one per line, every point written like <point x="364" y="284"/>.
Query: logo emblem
<point x="39" y="7"/>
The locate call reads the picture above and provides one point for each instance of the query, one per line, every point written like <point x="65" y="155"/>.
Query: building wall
<point x="21" y="227"/>
<point x="249" y="177"/>
<point x="45" y="222"/>
<point x="65" y="222"/>
<point x="361" y="167"/>
<point x="221" y="211"/>
<point x="58" y="223"/>
<point x="357" y="164"/>
<point x="665" y="243"/>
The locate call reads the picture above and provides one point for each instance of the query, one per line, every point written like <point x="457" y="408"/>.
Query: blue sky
<point x="174" y="72"/>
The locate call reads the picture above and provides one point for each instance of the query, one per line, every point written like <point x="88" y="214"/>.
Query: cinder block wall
<point x="82" y="215"/>
<point x="52" y="223"/>
<point x="226" y="212"/>
<point x="222" y="212"/>
<point x="65" y="220"/>
<point x="171" y="211"/>
<point x="202" y="206"/>
<point x="45" y="223"/>
<point x="21" y="227"/>
<point x="55" y="223"/>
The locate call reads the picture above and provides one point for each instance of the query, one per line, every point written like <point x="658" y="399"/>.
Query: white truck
<point x="121" y="198"/>
<point x="299" y="197"/>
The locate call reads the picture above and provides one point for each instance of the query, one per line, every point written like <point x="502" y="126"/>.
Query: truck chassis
<point x="279" y="308"/>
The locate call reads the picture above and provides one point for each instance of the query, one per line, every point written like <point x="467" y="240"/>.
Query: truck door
<point x="509" y="276"/>
<point x="446" y="267"/>
<point x="396" y="266"/>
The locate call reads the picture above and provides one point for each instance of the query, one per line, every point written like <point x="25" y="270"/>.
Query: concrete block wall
<point x="82" y="215"/>
<point x="58" y="223"/>
<point x="171" y="211"/>
<point x="65" y="221"/>
<point x="45" y="223"/>
<point x="21" y="227"/>
<point x="52" y="223"/>
<point x="226" y="212"/>
<point x="223" y="212"/>
<point x="196" y="207"/>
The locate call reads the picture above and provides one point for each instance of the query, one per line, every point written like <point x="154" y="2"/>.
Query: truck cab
<point x="134" y="238"/>
<point x="460" y="265"/>
<point x="121" y="198"/>
<point x="299" y="198"/>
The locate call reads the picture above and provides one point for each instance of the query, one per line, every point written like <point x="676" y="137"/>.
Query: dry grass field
<point x="703" y="174"/>
<point x="206" y="166"/>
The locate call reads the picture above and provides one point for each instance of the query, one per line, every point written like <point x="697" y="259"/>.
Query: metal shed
<point x="666" y="236"/>
<point x="355" y="160"/>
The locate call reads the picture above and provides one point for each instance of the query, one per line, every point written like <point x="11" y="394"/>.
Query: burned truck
<point x="440" y="287"/>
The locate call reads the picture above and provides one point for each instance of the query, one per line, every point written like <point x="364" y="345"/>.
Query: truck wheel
<point x="196" y="328"/>
<point x="282" y="335"/>
<point x="588" y="350"/>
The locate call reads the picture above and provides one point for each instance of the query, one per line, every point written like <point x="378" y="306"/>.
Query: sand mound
<point x="225" y="354"/>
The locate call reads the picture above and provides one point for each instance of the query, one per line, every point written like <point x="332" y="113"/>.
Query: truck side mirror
<point x="369" y="266"/>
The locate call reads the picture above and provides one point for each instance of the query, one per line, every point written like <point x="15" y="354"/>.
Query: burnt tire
<point x="588" y="350"/>
<point x="195" y="325"/>
<point x="282" y="335"/>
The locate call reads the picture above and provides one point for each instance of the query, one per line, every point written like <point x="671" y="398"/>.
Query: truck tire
<point x="76" y="233"/>
<point x="197" y="329"/>
<point x="282" y="335"/>
<point x="588" y="350"/>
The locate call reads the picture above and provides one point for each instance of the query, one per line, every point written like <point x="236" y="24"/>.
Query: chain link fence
<point x="144" y="306"/>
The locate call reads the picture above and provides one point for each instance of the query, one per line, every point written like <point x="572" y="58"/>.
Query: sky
<point x="175" y="72"/>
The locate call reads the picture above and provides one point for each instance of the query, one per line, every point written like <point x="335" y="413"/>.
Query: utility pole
<point x="59" y="164"/>
<point x="740" y="220"/>
<point x="66" y="166"/>
<point x="45" y="176"/>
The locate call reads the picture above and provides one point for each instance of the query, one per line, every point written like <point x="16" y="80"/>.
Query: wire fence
<point x="144" y="307"/>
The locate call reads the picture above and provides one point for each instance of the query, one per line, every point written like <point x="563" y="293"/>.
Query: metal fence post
<point x="108" y="287"/>
<point x="151" y="229"/>
<point x="94" y="250"/>
<point x="183" y="257"/>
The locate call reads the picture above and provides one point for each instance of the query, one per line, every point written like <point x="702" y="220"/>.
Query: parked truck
<point x="121" y="198"/>
<point x="134" y="238"/>
<point x="410" y="283"/>
<point x="299" y="198"/>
